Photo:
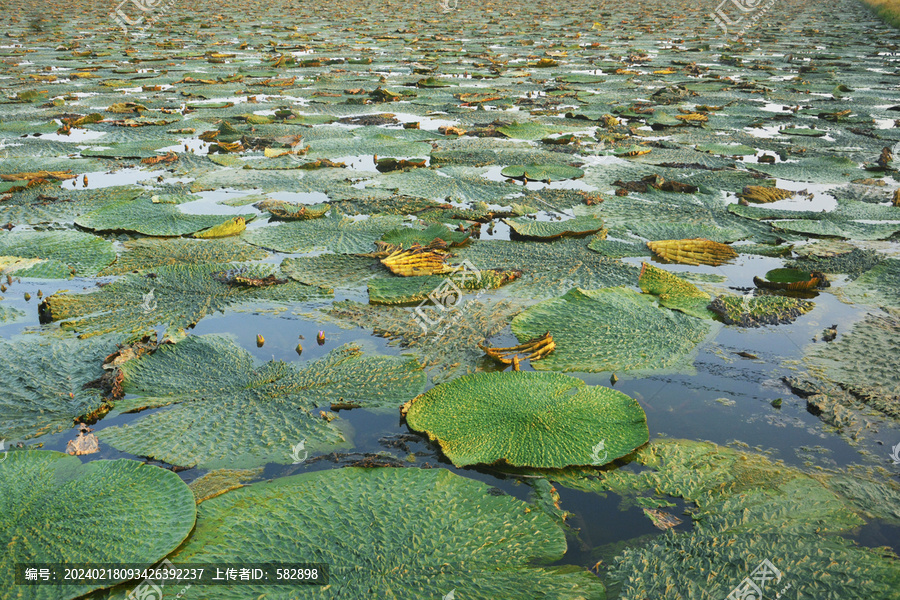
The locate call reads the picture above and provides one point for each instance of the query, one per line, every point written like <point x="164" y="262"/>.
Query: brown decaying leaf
<point x="661" y="519"/>
<point x="155" y="160"/>
<point x="698" y="251"/>
<point x="763" y="194"/>
<point x="85" y="443"/>
<point x="656" y="182"/>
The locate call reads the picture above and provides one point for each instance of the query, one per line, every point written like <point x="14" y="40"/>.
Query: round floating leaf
<point x="228" y="413"/>
<point x="176" y="295"/>
<point x="791" y="279"/>
<point x="759" y="310"/>
<point x="332" y="271"/>
<point x="50" y="391"/>
<point x="612" y="329"/>
<point x="148" y="217"/>
<point x="801" y="131"/>
<point x="529" y="130"/>
<point x="526" y="419"/>
<point x="74" y="252"/>
<point x="408" y="236"/>
<point x="57" y="510"/>
<point x="864" y="361"/>
<point x="727" y="149"/>
<point x="150" y="253"/>
<point x="445" y="338"/>
<point x="456" y="537"/>
<point x="880" y="285"/>
<point x="748" y="509"/>
<point x="402" y="290"/>
<point x="674" y="292"/>
<point x="532" y="228"/>
<point x="549" y="269"/>
<point x="334" y="232"/>
<point x="542" y="172"/>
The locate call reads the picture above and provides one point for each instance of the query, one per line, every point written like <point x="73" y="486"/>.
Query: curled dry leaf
<point x="416" y="261"/>
<point x="698" y="251"/>
<point x="534" y="349"/>
<point x="169" y="157"/>
<point x="763" y="194"/>
<point x="661" y="519"/>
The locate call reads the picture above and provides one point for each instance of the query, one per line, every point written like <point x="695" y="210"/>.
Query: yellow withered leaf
<point x="763" y="194"/>
<point x="230" y="227"/>
<point x="57" y="175"/>
<point x="698" y="117"/>
<point x="229" y="146"/>
<point x="696" y="251"/>
<point x="276" y="152"/>
<point x="416" y="261"/>
<point x="534" y="349"/>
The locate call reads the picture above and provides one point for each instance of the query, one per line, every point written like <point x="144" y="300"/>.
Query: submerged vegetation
<point x="546" y="252"/>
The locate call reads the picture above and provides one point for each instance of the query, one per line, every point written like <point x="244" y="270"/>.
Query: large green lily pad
<point x="611" y="329"/>
<point x="335" y="233"/>
<point x="864" y="362"/>
<point x="526" y="419"/>
<point x="674" y="292"/>
<point x="227" y="412"/>
<point x="532" y="228"/>
<point x="150" y="218"/>
<point x="174" y="295"/>
<point x="49" y="203"/>
<point x="756" y="311"/>
<point x="748" y="509"/>
<point x="455" y="538"/>
<point x="546" y="173"/>
<point x="57" y="510"/>
<point x="63" y="253"/>
<point x="44" y="381"/>
<point x="880" y="285"/>
<point x="143" y="254"/>
<point x="550" y="269"/>
<point x="446" y="339"/>
<point x="407" y="236"/>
